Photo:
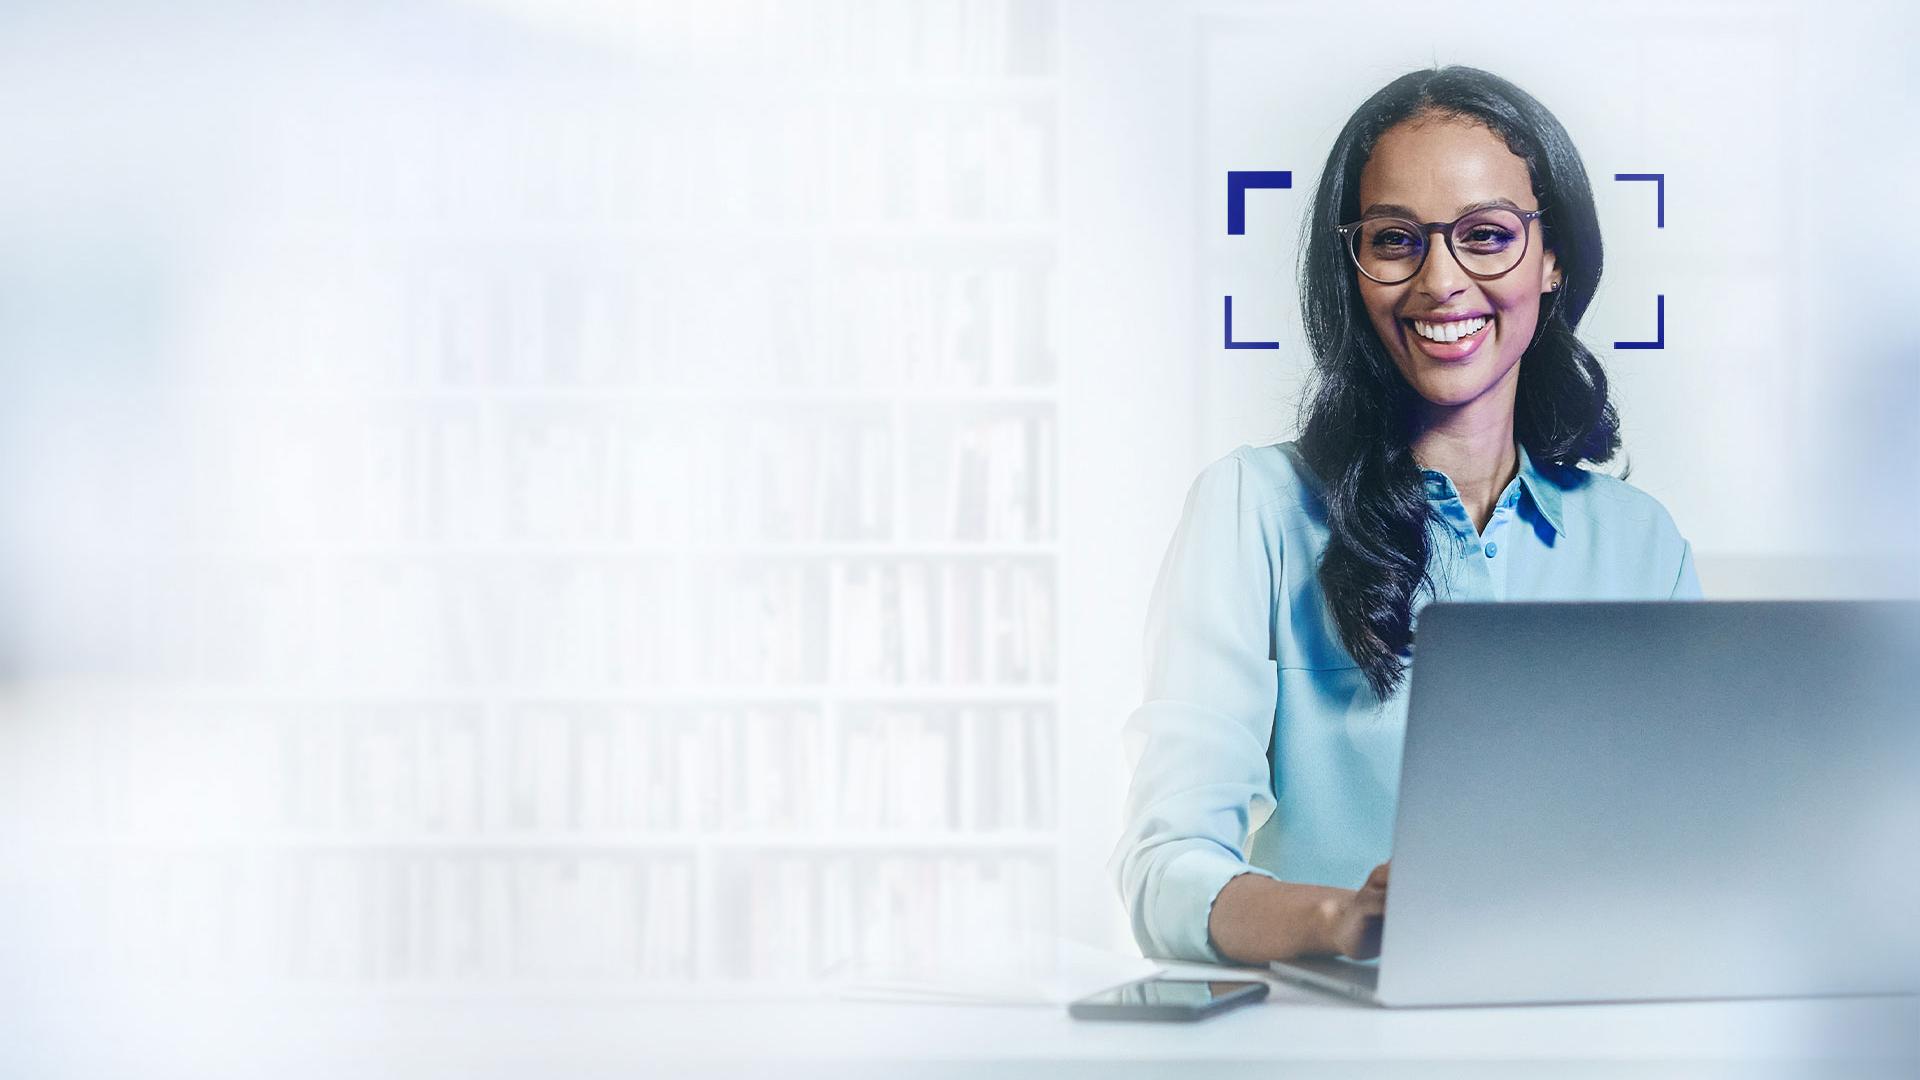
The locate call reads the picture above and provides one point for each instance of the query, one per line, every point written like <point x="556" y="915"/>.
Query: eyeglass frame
<point x="1526" y="220"/>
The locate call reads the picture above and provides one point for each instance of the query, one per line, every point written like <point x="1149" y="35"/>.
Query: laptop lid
<point x="1646" y="800"/>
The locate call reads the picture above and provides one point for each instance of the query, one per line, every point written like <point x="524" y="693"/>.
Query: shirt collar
<point x="1539" y="486"/>
<point x="1542" y="489"/>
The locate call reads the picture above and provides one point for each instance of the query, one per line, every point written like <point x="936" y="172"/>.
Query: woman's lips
<point x="1459" y="349"/>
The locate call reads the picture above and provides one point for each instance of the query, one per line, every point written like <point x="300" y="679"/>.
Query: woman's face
<point x="1434" y="167"/>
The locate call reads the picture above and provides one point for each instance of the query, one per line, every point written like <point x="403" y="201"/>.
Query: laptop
<point x="1631" y="801"/>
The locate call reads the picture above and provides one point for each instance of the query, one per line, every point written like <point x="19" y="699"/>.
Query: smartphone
<point x="1159" y="998"/>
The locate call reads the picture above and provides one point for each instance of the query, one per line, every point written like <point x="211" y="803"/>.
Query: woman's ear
<point x="1549" y="273"/>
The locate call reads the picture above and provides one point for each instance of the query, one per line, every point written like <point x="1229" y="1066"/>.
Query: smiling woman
<point x="1452" y="248"/>
<point x="1442" y="143"/>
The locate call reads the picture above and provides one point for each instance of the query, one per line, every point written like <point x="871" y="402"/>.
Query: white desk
<point x="1295" y="1033"/>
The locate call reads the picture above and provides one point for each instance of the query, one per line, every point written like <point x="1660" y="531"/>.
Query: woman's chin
<point x="1452" y="386"/>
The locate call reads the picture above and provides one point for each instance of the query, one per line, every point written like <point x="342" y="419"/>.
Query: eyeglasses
<point x="1487" y="243"/>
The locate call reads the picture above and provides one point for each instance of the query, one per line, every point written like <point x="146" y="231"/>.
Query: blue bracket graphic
<point x="1659" y="222"/>
<point x="1232" y="344"/>
<point x="1659" y="193"/>
<point x="1238" y="183"/>
<point x="1660" y="332"/>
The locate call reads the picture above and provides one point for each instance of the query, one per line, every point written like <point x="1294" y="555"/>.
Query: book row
<point x="981" y="478"/>
<point x="207" y="773"/>
<point x="586" y="472"/>
<point x="370" y="917"/>
<point x="730" y="161"/>
<point x="808" y="919"/>
<point x="901" y="314"/>
<point x="599" y="623"/>
<point x="900" y="42"/>
<point x="382" y="918"/>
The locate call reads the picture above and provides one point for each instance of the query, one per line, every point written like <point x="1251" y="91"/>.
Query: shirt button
<point x="1491" y="548"/>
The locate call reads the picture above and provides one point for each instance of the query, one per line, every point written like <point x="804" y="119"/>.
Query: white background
<point x="237" y="248"/>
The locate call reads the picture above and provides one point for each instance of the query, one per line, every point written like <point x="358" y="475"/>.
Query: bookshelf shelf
<point x="907" y="91"/>
<point x="609" y="237"/>
<point x="282" y="692"/>
<point x="664" y="397"/>
<point x="690" y="550"/>
<point x="560" y="843"/>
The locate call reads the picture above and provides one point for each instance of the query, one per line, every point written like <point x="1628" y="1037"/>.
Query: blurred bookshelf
<point x="653" y="582"/>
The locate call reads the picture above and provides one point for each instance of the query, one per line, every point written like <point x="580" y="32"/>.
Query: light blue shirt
<point x="1255" y="718"/>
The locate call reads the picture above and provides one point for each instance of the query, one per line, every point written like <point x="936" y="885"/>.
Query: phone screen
<point x="1168" y="999"/>
<point x="1177" y="993"/>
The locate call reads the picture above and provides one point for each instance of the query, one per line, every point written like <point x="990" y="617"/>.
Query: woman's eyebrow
<point x="1396" y="210"/>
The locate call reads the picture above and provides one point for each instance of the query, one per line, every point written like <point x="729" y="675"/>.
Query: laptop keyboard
<point x="1365" y="975"/>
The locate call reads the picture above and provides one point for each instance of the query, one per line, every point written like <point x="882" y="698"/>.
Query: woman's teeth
<point x="1448" y="331"/>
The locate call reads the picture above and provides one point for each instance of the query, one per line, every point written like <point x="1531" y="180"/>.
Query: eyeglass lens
<point x="1487" y="243"/>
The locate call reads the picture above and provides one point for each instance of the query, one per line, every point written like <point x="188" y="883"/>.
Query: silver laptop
<point x="1619" y="801"/>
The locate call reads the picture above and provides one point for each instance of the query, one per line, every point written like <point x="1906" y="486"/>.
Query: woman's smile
<point x="1451" y="340"/>
<point x="1456" y="334"/>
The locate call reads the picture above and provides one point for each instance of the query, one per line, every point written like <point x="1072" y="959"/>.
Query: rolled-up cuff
<point x="1183" y="901"/>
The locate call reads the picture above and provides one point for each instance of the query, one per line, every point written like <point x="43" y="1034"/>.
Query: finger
<point x="1365" y="944"/>
<point x="1370" y="940"/>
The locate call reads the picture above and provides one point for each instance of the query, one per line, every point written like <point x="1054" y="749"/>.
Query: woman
<point x="1451" y="251"/>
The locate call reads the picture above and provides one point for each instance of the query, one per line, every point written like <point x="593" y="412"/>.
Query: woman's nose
<point x="1441" y="275"/>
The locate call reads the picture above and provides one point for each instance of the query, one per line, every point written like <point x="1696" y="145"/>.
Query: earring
<point x="1555" y="287"/>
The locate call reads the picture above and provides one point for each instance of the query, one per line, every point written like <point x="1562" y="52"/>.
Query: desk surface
<point x="554" y="1036"/>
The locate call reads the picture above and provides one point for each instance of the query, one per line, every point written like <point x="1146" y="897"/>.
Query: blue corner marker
<point x="1659" y="193"/>
<point x="1238" y="183"/>
<point x="1660" y="328"/>
<point x="1232" y="344"/>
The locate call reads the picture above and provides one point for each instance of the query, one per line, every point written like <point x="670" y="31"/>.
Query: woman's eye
<point x="1487" y="235"/>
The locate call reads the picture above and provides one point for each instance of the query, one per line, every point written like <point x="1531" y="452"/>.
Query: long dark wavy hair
<point x="1359" y="415"/>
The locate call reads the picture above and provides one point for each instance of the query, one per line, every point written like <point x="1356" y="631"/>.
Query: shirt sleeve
<point x="1199" y="740"/>
<point x="1686" y="585"/>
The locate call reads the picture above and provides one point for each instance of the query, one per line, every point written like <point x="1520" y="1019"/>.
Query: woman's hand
<point x="1257" y="919"/>
<point x="1359" y="917"/>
